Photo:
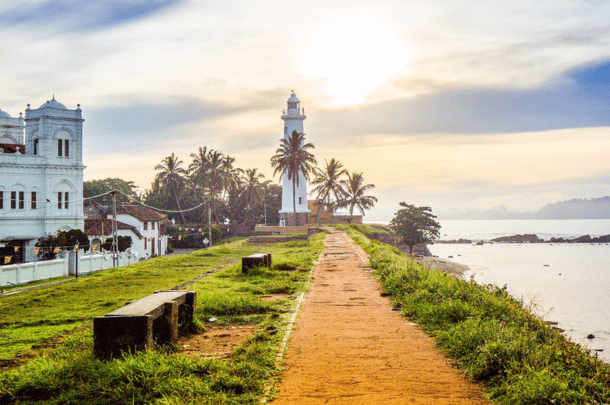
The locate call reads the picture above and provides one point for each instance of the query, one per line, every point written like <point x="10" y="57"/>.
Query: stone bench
<point x="256" y="260"/>
<point x="134" y="326"/>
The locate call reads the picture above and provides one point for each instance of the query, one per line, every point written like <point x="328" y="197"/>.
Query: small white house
<point x="100" y="229"/>
<point x="141" y="223"/>
<point x="41" y="177"/>
<point x="148" y="223"/>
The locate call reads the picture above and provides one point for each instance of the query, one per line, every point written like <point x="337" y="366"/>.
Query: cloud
<point x="577" y="99"/>
<point x="73" y="15"/>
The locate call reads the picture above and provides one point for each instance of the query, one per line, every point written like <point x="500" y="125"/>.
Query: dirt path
<point x="349" y="347"/>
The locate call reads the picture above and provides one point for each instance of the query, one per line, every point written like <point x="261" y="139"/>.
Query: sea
<point x="561" y="282"/>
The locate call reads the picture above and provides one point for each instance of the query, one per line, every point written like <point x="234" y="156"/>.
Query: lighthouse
<point x="293" y="122"/>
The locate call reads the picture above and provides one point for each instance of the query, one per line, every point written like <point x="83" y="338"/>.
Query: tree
<point x="65" y="240"/>
<point x="291" y="159"/>
<point x="96" y="187"/>
<point x="171" y="177"/>
<point x="355" y="197"/>
<point x="415" y="225"/>
<point x="252" y="189"/>
<point x="328" y="183"/>
<point x="124" y="243"/>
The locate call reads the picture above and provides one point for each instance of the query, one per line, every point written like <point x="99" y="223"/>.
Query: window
<point x="36" y="146"/>
<point x="145" y="226"/>
<point x="153" y="226"/>
<point x="145" y="247"/>
<point x="300" y="200"/>
<point x="67" y="148"/>
<point x="66" y="194"/>
<point x="33" y="200"/>
<point x="59" y="200"/>
<point x="60" y="145"/>
<point x="13" y="200"/>
<point x="21" y="200"/>
<point x="1" y="200"/>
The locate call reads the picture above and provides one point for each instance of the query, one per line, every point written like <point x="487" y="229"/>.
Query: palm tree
<point x="355" y="197"/>
<point x="291" y="159"/>
<point x="200" y="164"/>
<point x="328" y="183"/>
<point x="171" y="177"/>
<point x="253" y="189"/>
<point x="231" y="176"/>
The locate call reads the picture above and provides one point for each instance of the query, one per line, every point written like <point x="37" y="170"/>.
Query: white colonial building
<point x="293" y="122"/>
<point x="143" y="225"/>
<point x="41" y="177"/>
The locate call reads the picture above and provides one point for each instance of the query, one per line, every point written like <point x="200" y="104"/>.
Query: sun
<point x="354" y="55"/>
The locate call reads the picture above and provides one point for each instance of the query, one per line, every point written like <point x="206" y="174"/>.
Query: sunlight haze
<point x="448" y="104"/>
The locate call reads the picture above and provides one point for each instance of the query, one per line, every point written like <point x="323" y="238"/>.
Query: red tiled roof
<point x="94" y="227"/>
<point x="142" y="213"/>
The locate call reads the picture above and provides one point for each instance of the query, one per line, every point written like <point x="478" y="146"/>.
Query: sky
<point x="456" y="105"/>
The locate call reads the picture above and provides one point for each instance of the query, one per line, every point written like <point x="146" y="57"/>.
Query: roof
<point x="4" y="114"/>
<point x="293" y="98"/>
<point x="142" y="213"/>
<point x="93" y="227"/>
<point x="53" y="104"/>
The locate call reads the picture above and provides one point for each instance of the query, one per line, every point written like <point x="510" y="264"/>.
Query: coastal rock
<point x="583" y="239"/>
<point x="526" y="238"/>
<point x="591" y="336"/>
<point x="454" y="241"/>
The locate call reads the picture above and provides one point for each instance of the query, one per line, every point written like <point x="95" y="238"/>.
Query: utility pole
<point x="114" y="236"/>
<point x="210" y="223"/>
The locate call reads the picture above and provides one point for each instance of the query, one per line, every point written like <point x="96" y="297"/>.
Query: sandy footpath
<point x="349" y="347"/>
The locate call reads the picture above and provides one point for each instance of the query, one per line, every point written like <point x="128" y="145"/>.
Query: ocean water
<point x="564" y="283"/>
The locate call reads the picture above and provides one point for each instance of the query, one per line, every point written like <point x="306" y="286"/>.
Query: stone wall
<point x="280" y="230"/>
<point x="302" y="218"/>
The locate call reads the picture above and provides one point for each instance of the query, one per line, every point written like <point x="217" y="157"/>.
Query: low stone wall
<point x="279" y="230"/>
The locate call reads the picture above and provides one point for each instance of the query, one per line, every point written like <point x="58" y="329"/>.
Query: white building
<point x="41" y="177"/>
<point x="293" y="122"/>
<point x="148" y="223"/>
<point x="142" y="224"/>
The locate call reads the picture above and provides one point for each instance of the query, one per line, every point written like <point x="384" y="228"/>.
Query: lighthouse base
<point x="289" y="219"/>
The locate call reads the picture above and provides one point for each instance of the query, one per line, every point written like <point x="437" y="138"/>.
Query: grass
<point x="70" y="373"/>
<point x="489" y="335"/>
<point x="11" y="287"/>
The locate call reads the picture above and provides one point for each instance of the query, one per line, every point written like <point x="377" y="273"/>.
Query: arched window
<point x="63" y="143"/>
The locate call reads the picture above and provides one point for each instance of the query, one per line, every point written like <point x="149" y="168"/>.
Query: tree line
<point x="211" y="181"/>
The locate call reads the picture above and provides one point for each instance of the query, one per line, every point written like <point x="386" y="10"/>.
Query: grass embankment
<point x="70" y="373"/>
<point x="490" y="336"/>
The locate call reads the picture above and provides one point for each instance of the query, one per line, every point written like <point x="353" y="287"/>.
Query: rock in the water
<point x="531" y="238"/>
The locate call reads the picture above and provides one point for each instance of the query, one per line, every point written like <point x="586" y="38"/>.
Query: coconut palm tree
<point x="355" y="197"/>
<point x="328" y="183"/>
<point x="291" y="159"/>
<point x="199" y="166"/>
<point x="253" y="188"/>
<point x="171" y="177"/>
<point x="231" y="176"/>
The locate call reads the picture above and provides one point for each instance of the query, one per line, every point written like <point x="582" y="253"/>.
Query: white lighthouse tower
<point x="293" y="121"/>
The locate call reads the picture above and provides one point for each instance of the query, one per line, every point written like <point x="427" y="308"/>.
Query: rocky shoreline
<point x="530" y="238"/>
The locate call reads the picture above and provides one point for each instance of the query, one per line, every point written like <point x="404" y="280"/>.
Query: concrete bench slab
<point x="135" y="326"/>
<point x="255" y="260"/>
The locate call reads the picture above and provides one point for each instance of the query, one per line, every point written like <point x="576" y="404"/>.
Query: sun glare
<point x="353" y="56"/>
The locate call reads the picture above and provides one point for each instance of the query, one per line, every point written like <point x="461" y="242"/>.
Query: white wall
<point x="43" y="270"/>
<point x="26" y="272"/>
